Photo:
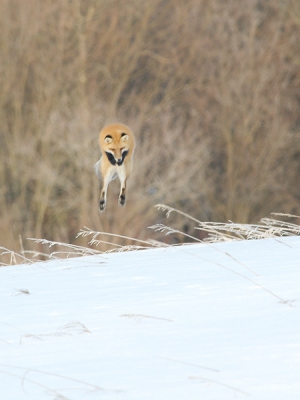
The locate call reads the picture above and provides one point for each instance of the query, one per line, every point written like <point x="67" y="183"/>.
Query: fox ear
<point x="108" y="139"/>
<point x="124" y="137"/>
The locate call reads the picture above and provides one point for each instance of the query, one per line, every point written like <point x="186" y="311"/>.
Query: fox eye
<point x="124" y="137"/>
<point x="108" y="139"/>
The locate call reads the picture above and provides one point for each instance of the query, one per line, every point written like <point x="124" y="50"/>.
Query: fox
<point x="117" y="145"/>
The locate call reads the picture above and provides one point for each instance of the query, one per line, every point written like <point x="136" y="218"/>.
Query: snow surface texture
<point x="187" y="322"/>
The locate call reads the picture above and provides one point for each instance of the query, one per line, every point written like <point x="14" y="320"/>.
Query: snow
<point x="186" y="322"/>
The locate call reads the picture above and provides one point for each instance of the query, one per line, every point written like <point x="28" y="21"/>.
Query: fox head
<point x="116" y="141"/>
<point x="117" y="149"/>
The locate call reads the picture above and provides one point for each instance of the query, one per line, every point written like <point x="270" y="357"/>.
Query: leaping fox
<point x="117" y="146"/>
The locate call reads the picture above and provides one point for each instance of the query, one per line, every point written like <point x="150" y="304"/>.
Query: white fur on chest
<point x="112" y="172"/>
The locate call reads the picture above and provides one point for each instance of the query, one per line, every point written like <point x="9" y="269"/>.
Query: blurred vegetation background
<point x="211" y="90"/>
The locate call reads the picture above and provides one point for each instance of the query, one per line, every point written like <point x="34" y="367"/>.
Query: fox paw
<point x="122" y="200"/>
<point x="102" y="205"/>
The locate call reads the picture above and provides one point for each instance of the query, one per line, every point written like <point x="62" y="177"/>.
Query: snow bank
<point x="206" y="322"/>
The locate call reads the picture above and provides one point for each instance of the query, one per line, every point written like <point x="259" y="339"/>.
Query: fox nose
<point x="119" y="161"/>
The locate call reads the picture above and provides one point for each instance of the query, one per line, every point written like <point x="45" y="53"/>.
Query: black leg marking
<point x="102" y="205"/>
<point x="122" y="199"/>
<point x="102" y="202"/>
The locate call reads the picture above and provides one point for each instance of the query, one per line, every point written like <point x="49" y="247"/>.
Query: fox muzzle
<point x="113" y="160"/>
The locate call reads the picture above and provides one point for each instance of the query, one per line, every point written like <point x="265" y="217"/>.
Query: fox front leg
<point x="103" y="193"/>
<point x="122" y="196"/>
<point x="102" y="203"/>
<point x="122" y="177"/>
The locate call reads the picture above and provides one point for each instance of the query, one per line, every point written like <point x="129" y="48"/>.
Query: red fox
<point x="117" y="146"/>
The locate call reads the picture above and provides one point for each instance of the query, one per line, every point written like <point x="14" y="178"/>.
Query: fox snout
<point x="120" y="160"/>
<point x="116" y="160"/>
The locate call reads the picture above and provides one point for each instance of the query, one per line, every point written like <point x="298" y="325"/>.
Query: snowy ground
<point x="191" y="322"/>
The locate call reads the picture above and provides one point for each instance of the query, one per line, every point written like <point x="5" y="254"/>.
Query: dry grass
<point x="221" y="232"/>
<point x="211" y="90"/>
<point x="211" y="232"/>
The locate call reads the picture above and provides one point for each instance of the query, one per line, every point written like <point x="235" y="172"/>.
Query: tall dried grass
<point x="212" y="232"/>
<point x="211" y="90"/>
